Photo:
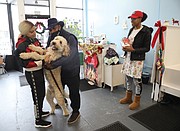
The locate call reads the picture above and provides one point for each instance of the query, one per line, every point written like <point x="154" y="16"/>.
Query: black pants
<point x="73" y="85"/>
<point x="37" y="84"/>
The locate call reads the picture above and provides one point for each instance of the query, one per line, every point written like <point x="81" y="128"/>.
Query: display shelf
<point x="174" y="67"/>
<point x="171" y="75"/>
<point x="171" y="88"/>
<point x="113" y="76"/>
<point x="98" y="75"/>
<point x="170" y="79"/>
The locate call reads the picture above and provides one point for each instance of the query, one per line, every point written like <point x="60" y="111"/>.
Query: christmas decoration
<point x="40" y="26"/>
<point x="159" y="61"/>
<point x="175" y="21"/>
<point x="159" y="33"/>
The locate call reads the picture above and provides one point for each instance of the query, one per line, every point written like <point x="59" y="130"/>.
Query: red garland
<point x="160" y="31"/>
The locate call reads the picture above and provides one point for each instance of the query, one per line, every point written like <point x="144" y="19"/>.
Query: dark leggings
<point x="37" y="84"/>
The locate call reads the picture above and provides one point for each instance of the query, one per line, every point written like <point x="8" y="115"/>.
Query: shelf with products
<point x="95" y="71"/>
<point x="170" y="78"/>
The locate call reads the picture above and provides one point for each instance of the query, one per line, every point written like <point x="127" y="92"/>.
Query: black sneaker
<point x="42" y="123"/>
<point x="45" y="113"/>
<point x="74" y="117"/>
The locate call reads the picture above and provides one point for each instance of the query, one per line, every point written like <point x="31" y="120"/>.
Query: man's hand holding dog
<point x="48" y="66"/>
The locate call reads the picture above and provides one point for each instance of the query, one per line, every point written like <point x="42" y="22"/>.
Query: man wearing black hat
<point x="70" y="65"/>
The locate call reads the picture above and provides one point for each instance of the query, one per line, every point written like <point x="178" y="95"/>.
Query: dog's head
<point x="60" y="45"/>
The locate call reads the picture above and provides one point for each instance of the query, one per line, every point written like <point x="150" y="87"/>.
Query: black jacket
<point x="141" y="44"/>
<point x="22" y="47"/>
<point x="70" y="64"/>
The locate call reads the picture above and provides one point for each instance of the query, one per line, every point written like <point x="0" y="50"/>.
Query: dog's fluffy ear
<point x="66" y="51"/>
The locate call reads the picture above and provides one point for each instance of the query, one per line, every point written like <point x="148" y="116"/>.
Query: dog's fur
<point x="58" y="48"/>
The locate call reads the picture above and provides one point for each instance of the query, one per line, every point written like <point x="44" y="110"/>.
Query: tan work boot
<point x="127" y="99"/>
<point x="136" y="103"/>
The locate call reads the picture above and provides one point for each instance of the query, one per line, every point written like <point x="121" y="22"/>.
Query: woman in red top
<point x="33" y="70"/>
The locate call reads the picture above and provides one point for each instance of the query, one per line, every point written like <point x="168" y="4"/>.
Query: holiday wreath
<point x="40" y="26"/>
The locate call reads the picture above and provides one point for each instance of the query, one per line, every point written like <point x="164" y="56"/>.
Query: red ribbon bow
<point x="160" y="31"/>
<point x="39" y="25"/>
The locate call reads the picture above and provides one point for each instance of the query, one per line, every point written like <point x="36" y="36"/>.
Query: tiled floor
<point x="99" y="107"/>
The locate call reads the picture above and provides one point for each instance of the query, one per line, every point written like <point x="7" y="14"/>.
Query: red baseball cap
<point x="136" y="14"/>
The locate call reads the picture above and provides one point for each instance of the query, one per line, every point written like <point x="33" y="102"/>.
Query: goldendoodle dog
<point x="58" y="48"/>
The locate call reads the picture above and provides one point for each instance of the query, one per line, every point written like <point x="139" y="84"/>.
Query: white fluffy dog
<point x="58" y="48"/>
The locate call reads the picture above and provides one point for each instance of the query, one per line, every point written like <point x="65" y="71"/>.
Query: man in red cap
<point x="139" y="43"/>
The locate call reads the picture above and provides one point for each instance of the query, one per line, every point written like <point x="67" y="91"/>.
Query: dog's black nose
<point x="53" y="43"/>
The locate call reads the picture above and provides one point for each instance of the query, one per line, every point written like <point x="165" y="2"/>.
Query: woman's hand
<point x="128" y="48"/>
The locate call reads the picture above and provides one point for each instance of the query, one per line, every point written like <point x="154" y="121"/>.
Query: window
<point x="37" y="2"/>
<point x="38" y="11"/>
<point x="70" y="3"/>
<point x="15" y="22"/>
<point x="42" y="37"/>
<point x="72" y="15"/>
<point x="5" y="42"/>
<point x="73" y="21"/>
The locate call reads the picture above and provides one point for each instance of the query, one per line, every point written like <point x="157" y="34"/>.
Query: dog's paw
<point x="42" y="52"/>
<point x="37" y="49"/>
<point x="65" y="111"/>
<point x="24" y="56"/>
<point x="31" y="47"/>
<point x="52" y="112"/>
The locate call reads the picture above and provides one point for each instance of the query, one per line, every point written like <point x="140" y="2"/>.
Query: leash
<point x="56" y="82"/>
